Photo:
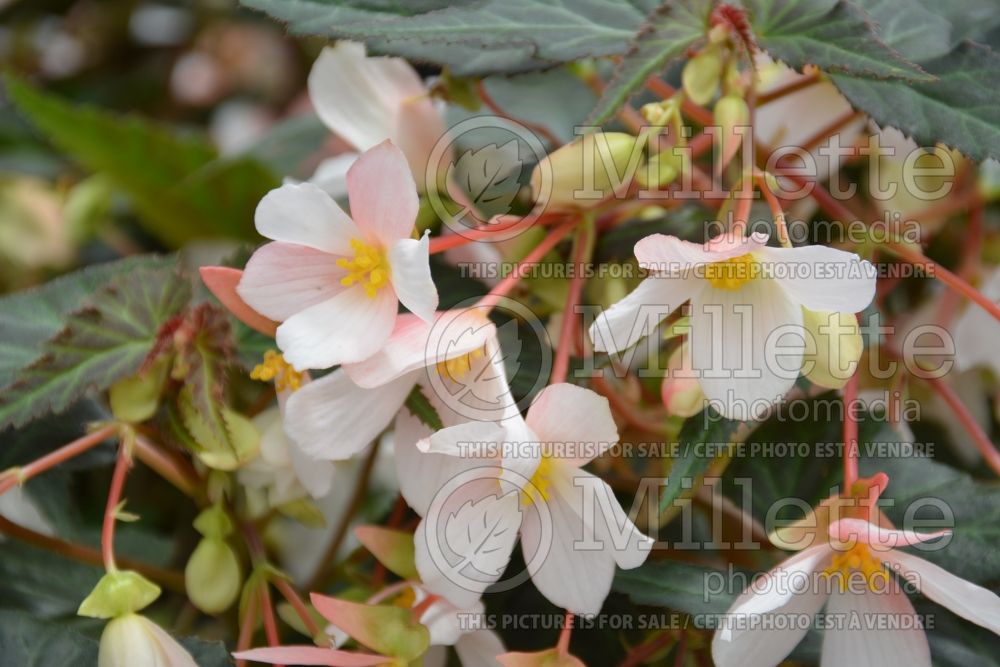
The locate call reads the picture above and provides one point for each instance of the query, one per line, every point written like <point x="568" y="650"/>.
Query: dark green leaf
<point x="960" y="109"/>
<point x="674" y="585"/>
<point x="103" y="342"/>
<point x="420" y="407"/>
<point x="706" y="428"/>
<point x="29" y="318"/>
<point x="28" y="642"/>
<point x="837" y="39"/>
<point x="668" y="32"/>
<point x="969" y="19"/>
<point x="908" y="27"/>
<point x="177" y="184"/>
<point x="472" y="39"/>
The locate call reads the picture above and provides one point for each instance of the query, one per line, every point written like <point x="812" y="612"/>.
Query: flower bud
<point x="663" y="168"/>
<point x="833" y="347"/>
<point x="681" y="392"/>
<point x="134" y="399"/>
<point x="213" y="576"/>
<point x="731" y="112"/>
<point x="586" y="171"/>
<point x="701" y="76"/>
<point x="132" y="640"/>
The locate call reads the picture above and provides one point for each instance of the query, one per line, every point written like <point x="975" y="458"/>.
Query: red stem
<point x="298" y="604"/>
<point x="247" y="624"/>
<point x="562" y="647"/>
<point x="850" y="433"/>
<point x="983" y="442"/>
<point x="61" y="455"/>
<point x="641" y="653"/>
<point x="533" y="257"/>
<point x="122" y="464"/>
<point x="567" y="331"/>
<point x="270" y="623"/>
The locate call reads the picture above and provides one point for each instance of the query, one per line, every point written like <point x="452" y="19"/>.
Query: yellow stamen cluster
<point x="731" y="274"/>
<point x="369" y="268"/>
<point x="276" y="368"/>
<point x="538" y="490"/>
<point x="848" y="564"/>
<point x="457" y="368"/>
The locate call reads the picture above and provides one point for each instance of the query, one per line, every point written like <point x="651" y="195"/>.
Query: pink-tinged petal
<point x="415" y="344"/>
<point x="282" y="279"/>
<point x="304" y="214"/>
<point x="347" y="328"/>
<point x="467" y="547"/>
<point x="821" y="278"/>
<point x="883" y="539"/>
<point x="747" y="347"/>
<point x="577" y="580"/>
<point x="383" y="196"/>
<point x="333" y="419"/>
<point x="311" y="655"/>
<point x="611" y="526"/>
<point x="420" y="126"/>
<point x="670" y="255"/>
<point x="358" y="98"/>
<point x="480" y="648"/>
<point x="222" y="281"/>
<point x="885" y="639"/>
<point x="747" y="638"/>
<point x="637" y="315"/>
<point x="971" y="602"/>
<point x="409" y="262"/>
<point x="576" y="420"/>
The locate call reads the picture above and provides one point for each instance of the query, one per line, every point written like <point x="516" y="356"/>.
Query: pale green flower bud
<point x="212" y="576"/>
<point x="586" y="171"/>
<point x="833" y="347"/>
<point x="701" y="76"/>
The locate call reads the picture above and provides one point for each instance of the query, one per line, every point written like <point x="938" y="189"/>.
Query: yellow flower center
<point x="457" y="368"/>
<point x="276" y="368"/>
<point x="731" y="274"/>
<point x="855" y="562"/>
<point x="538" y="490"/>
<point x="369" y="268"/>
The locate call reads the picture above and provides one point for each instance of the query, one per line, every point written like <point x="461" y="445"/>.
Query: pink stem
<point x="850" y="433"/>
<point x="51" y="460"/>
<point x="122" y="464"/>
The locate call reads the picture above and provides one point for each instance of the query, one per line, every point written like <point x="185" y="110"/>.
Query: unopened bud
<point x="701" y="76"/>
<point x="681" y="391"/>
<point x="731" y="112"/>
<point x="663" y="168"/>
<point x="212" y="576"/>
<point x="586" y="171"/>
<point x="833" y="347"/>
<point x="134" y="399"/>
<point x="132" y="640"/>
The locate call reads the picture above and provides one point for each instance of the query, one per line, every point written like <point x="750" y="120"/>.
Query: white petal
<point x="305" y="215"/>
<point x="467" y="545"/>
<point x="479" y="649"/>
<point x="971" y="602"/>
<point x="670" y="255"/>
<point x="415" y="344"/>
<point x="349" y="327"/>
<point x="976" y="331"/>
<point x="574" y="579"/>
<point x="316" y="476"/>
<point x="792" y="590"/>
<point x="332" y="418"/>
<point x="577" y="421"/>
<point x="383" y="196"/>
<point x="420" y="126"/>
<point x="604" y="514"/>
<point x="360" y="98"/>
<point x="331" y="174"/>
<point x="746" y="346"/>
<point x="849" y="530"/>
<point x="822" y="278"/>
<point x="409" y="260"/>
<point x="173" y="653"/>
<point x="882" y="646"/>
<point x="637" y="315"/>
<point x="282" y="279"/>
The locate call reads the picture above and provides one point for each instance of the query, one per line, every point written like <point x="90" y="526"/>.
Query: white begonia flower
<point x="537" y="461"/>
<point x="335" y="416"/>
<point x="132" y="639"/>
<point x="366" y="100"/>
<point x="747" y="337"/>
<point x="335" y="282"/>
<point x="872" y="621"/>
